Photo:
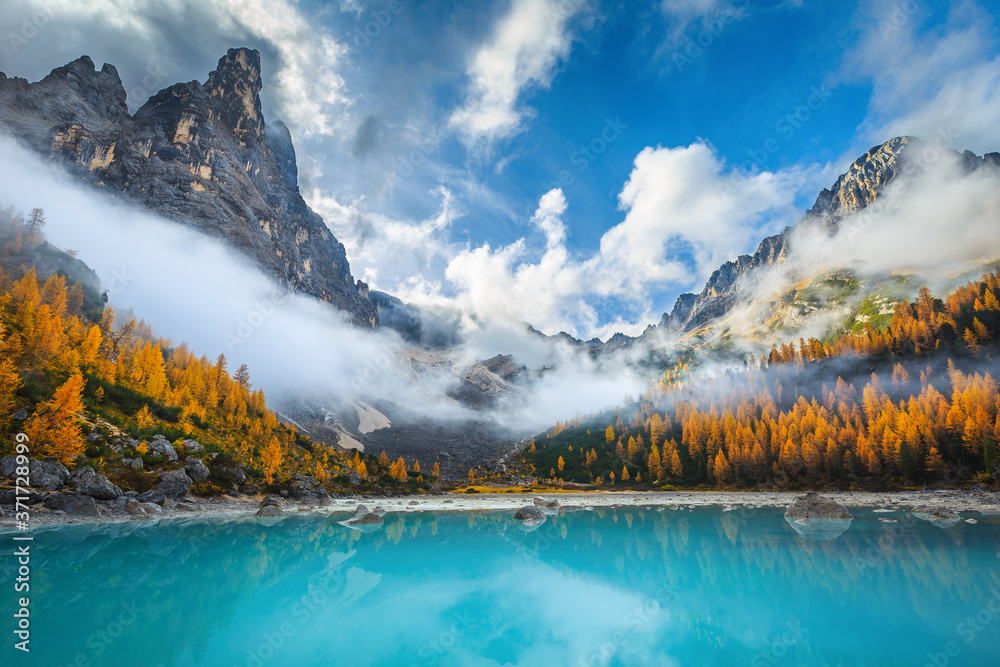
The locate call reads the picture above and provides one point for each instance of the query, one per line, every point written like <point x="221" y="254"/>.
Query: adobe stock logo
<point x="787" y="126"/>
<point x="30" y="25"/>
<point x="586" y="155"/>
<point x="248" y="325"/>
<point x="380" y="20"/>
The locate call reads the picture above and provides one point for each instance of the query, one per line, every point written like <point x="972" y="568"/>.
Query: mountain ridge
<point x="198" y="153"/>
<point x="857" y="188"/>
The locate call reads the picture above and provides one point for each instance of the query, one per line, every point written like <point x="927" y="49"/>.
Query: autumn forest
<point x="909" y="404"/>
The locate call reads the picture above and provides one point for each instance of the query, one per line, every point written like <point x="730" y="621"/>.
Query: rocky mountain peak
<point x="76" y="93"/>
<point x="237" y="84"/>
<point x="198" y="153"/>
<point x="859" y="186"/>
<point x="855" y="189"/>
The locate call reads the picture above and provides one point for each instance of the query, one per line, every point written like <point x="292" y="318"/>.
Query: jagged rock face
<point x="853" y="191"/>
<point x="198" y="153"/>
<point x="861" y="184"/>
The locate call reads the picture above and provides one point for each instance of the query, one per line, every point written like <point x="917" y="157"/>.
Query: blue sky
<point x="573" y="163"/>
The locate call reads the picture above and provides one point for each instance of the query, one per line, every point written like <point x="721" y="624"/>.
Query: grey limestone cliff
<point x="199" y="153"/>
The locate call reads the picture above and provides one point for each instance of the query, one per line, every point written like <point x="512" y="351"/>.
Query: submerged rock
<point x="548" y="506"/>
<point x="270" y="516"/>
<point x="942" y="517"/>
<point x="529" y="513"/>
<point x="270" y="510"/>
<point x="366" y="522"/>
<point x="815" y="517"/>
<point x="530" y="517"/>
<point x="819" y="530"/>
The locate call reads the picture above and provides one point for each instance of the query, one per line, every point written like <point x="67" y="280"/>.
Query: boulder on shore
<point x="152" y="508"/>
<point x="134" y="507"/>
<point x="134" y="464"/>
<point x="549" y="506"/>
<point x="72" y="503"/>
<point x="89" y="482"/>
<point x="192" y="446"/>
<point x="273" y="500"/>
<point x="28" y="496"/>
<point x="161" y="447"/>
<point x="48" y="475"/>
<point x="154" y="496"/>
<point x="174" y="484"/>
<point x="814" y="506"/>
<point x="196" y="469"/>
<point x="307" y="487"/>
<point x="234" y="473"/>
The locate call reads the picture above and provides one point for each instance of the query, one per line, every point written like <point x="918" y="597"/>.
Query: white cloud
<point x="388" y="254"/>
<point x="549" y="292"/>
<point x="682" y="202"/>
<point x="685" y="215"/>
<point x="525" y="48"/>
<point x="548" y="217"/>
<point x="155" y="43"/>
<point x="928" y="80"/>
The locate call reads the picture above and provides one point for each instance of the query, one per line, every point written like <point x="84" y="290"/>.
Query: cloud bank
<point x="191" y="288"/>
<point x="685" y="212"/>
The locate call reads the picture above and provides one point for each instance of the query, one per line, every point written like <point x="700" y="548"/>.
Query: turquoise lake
<point x="604" y="587"/>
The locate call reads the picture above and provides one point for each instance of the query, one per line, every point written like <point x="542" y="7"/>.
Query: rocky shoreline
<point x="268" y="508"/>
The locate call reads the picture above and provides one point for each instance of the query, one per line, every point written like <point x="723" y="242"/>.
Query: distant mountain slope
<point x="198" y="153"/>
<point x="859" y="187"/>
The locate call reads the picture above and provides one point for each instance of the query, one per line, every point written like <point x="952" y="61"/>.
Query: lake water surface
<point x="604" y="587"/>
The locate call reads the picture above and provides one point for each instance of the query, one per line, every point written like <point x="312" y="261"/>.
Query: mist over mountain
<point x="864" y="206"/>
<point x="198" y="153"/>
<point x="429" y="377"/>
